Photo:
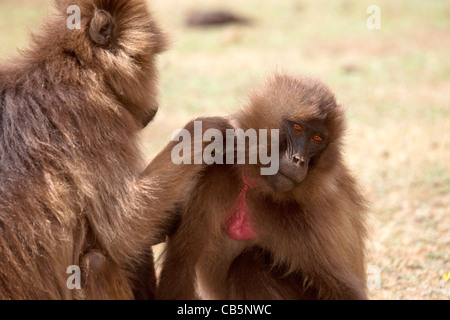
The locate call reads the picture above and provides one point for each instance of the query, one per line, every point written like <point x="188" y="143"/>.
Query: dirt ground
<point x="393" y="81"/>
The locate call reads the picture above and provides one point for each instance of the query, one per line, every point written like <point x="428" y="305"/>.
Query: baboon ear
<point x="101" y="28"/>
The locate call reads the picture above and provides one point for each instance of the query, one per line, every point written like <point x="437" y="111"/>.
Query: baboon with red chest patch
<point x="296" y="234"/>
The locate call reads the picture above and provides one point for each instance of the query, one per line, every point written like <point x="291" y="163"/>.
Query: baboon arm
<point x="165" y="184"/>
<point x="103" y="279"/>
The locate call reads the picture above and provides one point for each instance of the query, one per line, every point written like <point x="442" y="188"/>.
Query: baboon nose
<point x="149" y="117"/>
<point x="299" y="160"/>
<point x="302" y="161"/>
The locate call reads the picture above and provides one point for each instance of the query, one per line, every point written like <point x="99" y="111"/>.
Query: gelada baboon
<point x="298" y="234"/>
<point x="72" y="191"/>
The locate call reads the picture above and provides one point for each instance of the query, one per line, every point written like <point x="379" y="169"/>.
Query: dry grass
<point x="394" y="82"/>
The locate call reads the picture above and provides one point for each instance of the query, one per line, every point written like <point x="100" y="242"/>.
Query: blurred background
<point x="394" y="83"/>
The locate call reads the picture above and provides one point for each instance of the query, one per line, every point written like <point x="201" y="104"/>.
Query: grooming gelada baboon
<point x="72" y="186"/>
<point x="298" y="234"/>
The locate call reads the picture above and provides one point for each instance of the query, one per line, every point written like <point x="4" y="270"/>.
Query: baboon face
<point x="119" y="40"/>
<point x="300" y="142"/>
<point x="308" y="119"/>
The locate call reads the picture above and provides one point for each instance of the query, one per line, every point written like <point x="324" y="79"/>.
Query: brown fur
<point x="71" y="189"/>
<point x="310" y="240"/>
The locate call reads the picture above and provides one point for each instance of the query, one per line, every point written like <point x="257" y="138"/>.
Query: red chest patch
<point x="239" y="225"/>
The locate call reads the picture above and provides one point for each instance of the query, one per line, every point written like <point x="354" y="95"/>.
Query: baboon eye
<point x="299" y="127"/>
<point x="317" y="139"/>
